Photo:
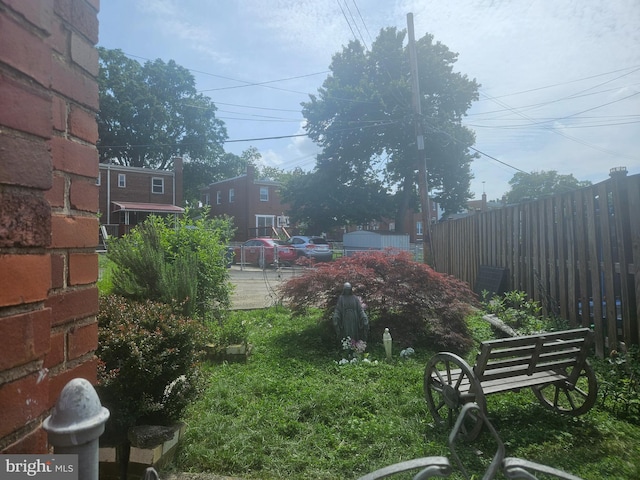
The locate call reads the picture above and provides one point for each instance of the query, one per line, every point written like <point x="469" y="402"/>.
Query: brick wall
<point x="246" y="204"/>
<point x="48" y="205"/>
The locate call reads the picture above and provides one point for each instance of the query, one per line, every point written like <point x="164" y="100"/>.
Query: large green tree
<point x="363" y="119"/>
<point x="534" y="185"/>
<point x="151" y="112"/>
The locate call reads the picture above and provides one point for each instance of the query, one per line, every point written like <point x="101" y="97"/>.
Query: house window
<point x="207" y="199"/>
<point x="157" y="185"/>
<point x="418" y="228"/>
<point x="99" y="179"/>
<point x="232" y="195"/>
<point x="264" y="194"/>
<point x="122" y="180"/>
<point x="218" y="197"/>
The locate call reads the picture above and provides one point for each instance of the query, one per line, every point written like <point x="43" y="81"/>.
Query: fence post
<point x="75" y="425"/>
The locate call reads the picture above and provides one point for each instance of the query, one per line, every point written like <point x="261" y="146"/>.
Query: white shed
<point x="374" y="240"/>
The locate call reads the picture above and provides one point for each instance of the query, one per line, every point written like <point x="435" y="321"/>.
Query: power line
<point x="347" y="20"/>
<point x="356" y="25"/>
<point x="244" y="82"/>
<point x="635" y="68"/>
<point x="362" y="20"/>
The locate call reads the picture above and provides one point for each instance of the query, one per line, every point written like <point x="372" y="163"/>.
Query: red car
<point x="260" y="252"/>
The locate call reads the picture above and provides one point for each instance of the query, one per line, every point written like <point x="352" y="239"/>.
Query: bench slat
<point x="508" y="383"/>
<point x="550" y="336"/>
<point x="524" y="370"/>
<point x="545" y="358"/>
<point x="519" y="382"/>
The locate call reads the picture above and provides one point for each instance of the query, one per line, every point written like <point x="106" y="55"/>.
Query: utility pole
<point x="423" y="188"/>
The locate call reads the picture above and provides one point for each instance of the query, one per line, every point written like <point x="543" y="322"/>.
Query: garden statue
<point x="349" y="318"/>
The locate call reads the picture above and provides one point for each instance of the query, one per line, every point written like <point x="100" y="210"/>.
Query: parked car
<point x="316" y="248"/>
<point x="264" y="251"/>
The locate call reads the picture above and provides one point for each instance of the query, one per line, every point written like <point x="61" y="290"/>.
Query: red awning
<point x="146" y="207"/>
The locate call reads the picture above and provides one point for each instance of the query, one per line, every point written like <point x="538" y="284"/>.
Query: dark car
<point x="316" y="248"/>
<point x="264" y="251"/>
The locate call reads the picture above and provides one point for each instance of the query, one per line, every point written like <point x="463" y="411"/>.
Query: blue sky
<point x="560" y="79"/>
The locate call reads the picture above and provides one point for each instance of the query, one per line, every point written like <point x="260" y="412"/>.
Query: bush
<point x="619" y="383"/>
<point x="181" y="263"/>
<point x="419" y="305"/>
<point x="148" y="362"/>
<point x="521" y="314"/>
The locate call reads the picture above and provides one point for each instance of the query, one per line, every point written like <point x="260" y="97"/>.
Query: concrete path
<point x="256" y="288"/>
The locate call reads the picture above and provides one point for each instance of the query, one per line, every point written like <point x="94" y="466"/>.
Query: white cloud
<point x="540" y="62"/>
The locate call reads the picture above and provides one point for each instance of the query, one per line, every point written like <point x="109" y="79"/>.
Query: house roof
<point x="146" y="207"/>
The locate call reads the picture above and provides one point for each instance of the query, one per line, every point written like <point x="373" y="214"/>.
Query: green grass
<point x="290" y="412"/>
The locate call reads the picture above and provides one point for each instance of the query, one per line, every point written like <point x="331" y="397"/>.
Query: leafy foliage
<point x="148" y="362"/>
<point x="619" y="383"/>
<point x="417" y="303"/>
<point x="181" y="264"/>
<point x="522" y="314"/>
<point x="152" y="112"/>
<point x="362" y="118"/>
<point x="534" y="185"/>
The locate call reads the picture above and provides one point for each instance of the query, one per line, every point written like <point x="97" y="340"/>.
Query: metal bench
<point x="554" y="365"/>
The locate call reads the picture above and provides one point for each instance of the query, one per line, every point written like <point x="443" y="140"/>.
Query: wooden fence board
<point x="579" y="251"/>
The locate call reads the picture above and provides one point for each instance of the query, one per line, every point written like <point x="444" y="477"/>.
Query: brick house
<point x="48" y="205"/>
<point x="253" y="203"/>
<point x="128" y="195"/>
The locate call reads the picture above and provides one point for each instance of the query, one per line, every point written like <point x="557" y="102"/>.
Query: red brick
<point x="55" y="356"/>
<point x="26" y="161"/>
<point x="59" y="38"/>
<point x="73" y="305"/>
<point x="39" y="14"/>
<point x="59" y="112"/>
<point x="84" y="195"/>
<point x="82" y="340"/>
<point x="55" y="195"/>
<point x="73" y="157"/>
<point x="83" y="268"/>
<point x="84" y="54"/>
<point x="25" y="337"/>
<point x="24" y="279"/>
<point x="25" y="219"/>
<point x="22" y="401"/>
<point x="74" y="232"/>
<point x="74" y="84"/>
<point x="83" y="17"/>
<point x="33" y="443"/>
<point x="57" y="271"/>
<point x="83" y="124"/>
<point x="25" y="51"/>
<point x="24" y="108"/>
<point x="86" y="370"/>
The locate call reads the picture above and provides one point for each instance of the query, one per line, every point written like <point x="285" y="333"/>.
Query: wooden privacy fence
<point x="577" y="253"/>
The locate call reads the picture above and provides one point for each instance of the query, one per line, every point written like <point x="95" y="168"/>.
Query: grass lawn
<point x="291" y="412"/>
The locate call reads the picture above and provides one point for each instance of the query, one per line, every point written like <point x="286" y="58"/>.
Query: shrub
<point x="619" y="383"/>
<point x="521" y="314"/>
<point x="419" y="305"/>
<point x="181" y="263"/>
<point x="148" y="362"/>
